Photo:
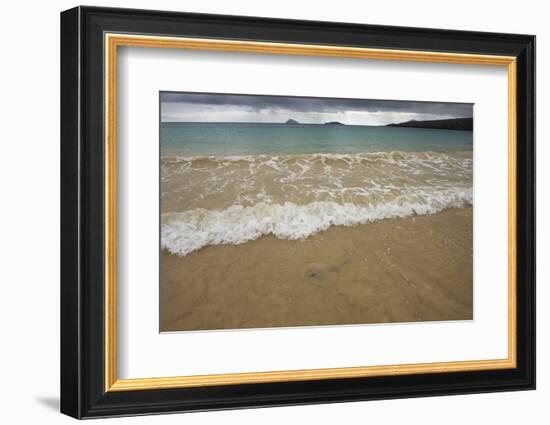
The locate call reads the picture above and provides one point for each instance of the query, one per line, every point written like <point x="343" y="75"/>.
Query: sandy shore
<point x="398" y="270"/>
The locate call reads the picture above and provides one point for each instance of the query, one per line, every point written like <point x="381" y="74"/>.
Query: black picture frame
<point x="83" y="392"/>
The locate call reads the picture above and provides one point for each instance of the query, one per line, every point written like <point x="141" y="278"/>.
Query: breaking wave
<point x="185" y="232"/>
<point x="211" y="200"/>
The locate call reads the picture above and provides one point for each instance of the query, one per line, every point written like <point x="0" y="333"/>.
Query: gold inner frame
<point x="113" y="41"/>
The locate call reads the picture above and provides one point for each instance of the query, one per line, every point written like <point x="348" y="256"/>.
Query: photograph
<point x="285" y="211"/>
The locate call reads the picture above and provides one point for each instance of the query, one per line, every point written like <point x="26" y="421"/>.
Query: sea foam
<point x="188" y="231"/>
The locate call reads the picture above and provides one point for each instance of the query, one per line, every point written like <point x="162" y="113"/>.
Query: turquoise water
<point x="193" y="139"/>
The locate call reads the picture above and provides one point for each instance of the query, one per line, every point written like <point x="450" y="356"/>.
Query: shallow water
<point x="396" y="270"/>
<point x="232" y="183"/>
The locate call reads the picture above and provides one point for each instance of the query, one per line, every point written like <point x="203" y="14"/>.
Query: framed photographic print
<point x="261" y="212"/>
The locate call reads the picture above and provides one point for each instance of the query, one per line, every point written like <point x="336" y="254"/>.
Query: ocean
<point x="194" y="139"/>
<point x="233" y="183"/>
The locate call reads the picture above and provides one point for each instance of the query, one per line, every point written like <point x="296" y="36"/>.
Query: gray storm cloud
<point x="190" y="106"/>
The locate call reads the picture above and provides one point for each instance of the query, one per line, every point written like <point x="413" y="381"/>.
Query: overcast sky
<point x="199" y="107"/>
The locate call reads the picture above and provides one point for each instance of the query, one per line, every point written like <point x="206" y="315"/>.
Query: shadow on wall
<point x="49" y="402"/>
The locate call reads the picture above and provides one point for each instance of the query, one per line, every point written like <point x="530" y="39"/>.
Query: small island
<point x="291" y="121"/>
<point x="334" y="123"/>
<point x="463" y="124"/>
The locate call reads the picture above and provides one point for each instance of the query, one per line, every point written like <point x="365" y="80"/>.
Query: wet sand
<point x="395" y="270"/>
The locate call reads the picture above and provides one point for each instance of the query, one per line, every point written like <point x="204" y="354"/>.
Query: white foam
<point x="219" y="182"/>
<point x="185" y="232"/>
<point x="389" y="156"/>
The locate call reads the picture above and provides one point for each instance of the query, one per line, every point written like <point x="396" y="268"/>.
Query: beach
<point x="280" y="225"/>
<point x="416" y="268"/>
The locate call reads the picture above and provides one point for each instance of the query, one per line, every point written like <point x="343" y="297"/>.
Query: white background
<point x="29" y="172"/>
<point x="145" y="72"/>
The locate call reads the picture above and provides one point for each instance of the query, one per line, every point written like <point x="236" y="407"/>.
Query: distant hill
<point x="291" y="121"/>
<point x="465" y="124"/>
<point x="333" y="123"/>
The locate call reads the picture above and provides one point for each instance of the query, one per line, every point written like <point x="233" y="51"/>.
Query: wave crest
<point x="389" y="156"/>
<point x="185" y="232"/>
